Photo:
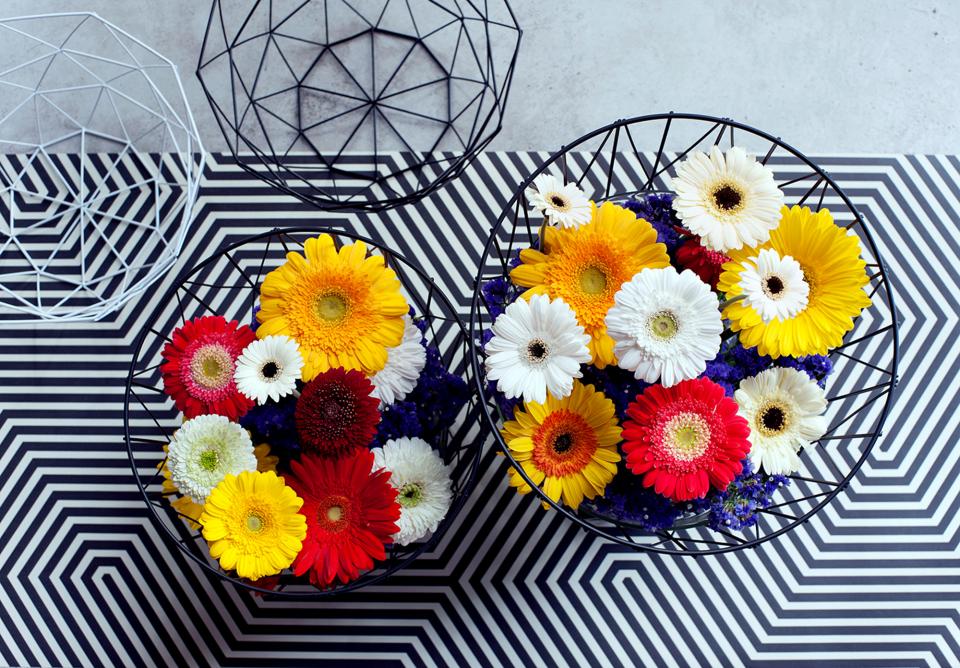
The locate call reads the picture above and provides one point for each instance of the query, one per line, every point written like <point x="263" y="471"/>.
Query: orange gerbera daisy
<point x="586" y="266"/>
<point x="343" y="307"/>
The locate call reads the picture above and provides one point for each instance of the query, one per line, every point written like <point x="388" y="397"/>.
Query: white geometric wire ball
<point x="100" y="164"/>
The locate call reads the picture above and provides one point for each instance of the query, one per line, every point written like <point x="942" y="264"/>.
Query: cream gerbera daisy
<point x="665" y="325"/>
<point x="728" y="200"/>
<point x="564" y="205"/>
<point x="537" y="347"/>
<point x="404" y="363"/>
<point x="785" y="410"/>
<point x="269" y="368"/>
<point x="206" y="449"/>
<point x="773" y="285"/>
<point x="422" y="482"/>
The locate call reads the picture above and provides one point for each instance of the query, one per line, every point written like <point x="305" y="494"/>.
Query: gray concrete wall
<point x="825" y="75"/>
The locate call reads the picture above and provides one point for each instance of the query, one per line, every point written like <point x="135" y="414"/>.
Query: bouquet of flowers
<point x="310" y="438"/>
<point x="667" y="355"/>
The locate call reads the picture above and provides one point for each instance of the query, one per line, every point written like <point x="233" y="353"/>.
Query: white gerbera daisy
<point x="404" y="363"/>
<point x="564" y="205"/>
<point x="422" y="482"/>
<point x="537" y="347"/>
<point x="785" y="410"/>
<point x="269" y="368"/>
<point x="728" y="200"/>
<point x="204" y="450"/>
<point x="665" y="325"/>
<point x="774" y="286"/>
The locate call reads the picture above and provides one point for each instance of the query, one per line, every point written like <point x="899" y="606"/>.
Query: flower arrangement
<point x="311" y="437"/>
<point x="666" y="355"/>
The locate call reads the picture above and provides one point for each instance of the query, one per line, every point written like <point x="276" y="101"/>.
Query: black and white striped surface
<point x="85" y="578"/>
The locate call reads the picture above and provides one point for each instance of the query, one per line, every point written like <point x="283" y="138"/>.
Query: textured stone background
<point x="826" y="76"/>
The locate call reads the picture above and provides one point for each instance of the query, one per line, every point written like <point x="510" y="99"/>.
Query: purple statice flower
<point x="253" y="317"/>
<point x="818" y="367"/>
<point x="439" y="395"/>
<point x="747" y="360"/>
<point x="657" y="209"/>
<point x="724" y="374"/>
<point x="498" y="293"/>
<point x="619" y="385"/>
<point x="396" y="421"/>
<point x="273" y="423"/>
<point x="735" y="508"/>
<point x="628" y="500"/>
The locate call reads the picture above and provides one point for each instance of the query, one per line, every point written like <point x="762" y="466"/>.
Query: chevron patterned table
<point x="871" y="581"/>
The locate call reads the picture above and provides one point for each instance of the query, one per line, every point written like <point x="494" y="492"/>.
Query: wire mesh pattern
<point x="100" y="170"/>
<point x="635" y="157"/>
<point x="228" y="284"/>
<point x="418" y="86"/>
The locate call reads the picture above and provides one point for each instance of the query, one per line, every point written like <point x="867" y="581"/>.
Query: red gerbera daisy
<point x="705" y="263"/>
<point x="199" y="362"/>
<point x="351" y="512"/>
<point x="335" y="413"/>
<point x="685" y="438"/>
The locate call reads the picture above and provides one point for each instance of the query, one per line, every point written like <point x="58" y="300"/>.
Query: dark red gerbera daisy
<point x="351" y="512"/>
<point x="705" y="263"/>
<point x="198" y="367"/>
<point x="685" y="438"/>
<point x="335" y="413"/>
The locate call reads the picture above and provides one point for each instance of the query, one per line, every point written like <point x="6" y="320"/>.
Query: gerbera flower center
<point x="331" y="307"/>
<point x="558" y="201"/>
<point x="727" y="198"/>
<point x="593" y="281"/>
<point x="686" y="436"/>
<point x="410" y="495"/>
<point x="773" y="286"/>
<point x="663" y="325"/>
<point x="333" y="512"/>
<point x="772" y="419"/>
<point x="270" y="370"/>
<point x="211" y="367"/>
<point x="563" y="444"/>
<point x="537" y="351"/>
<point x="255" y="522"/>
<point x="209" y="460"/>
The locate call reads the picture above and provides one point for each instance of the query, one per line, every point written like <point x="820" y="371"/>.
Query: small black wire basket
<point x="358" y="105"/>
<point x="632" y="157"/>
<point x="227" y="283"/>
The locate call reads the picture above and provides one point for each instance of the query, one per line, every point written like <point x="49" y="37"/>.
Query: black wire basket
<point x="358" y="105"/>
<point x="227" y="283"/>
<point x="632" y="157"/>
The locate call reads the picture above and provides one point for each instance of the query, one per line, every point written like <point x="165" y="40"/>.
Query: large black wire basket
<point x="227" y="283"/>
<point x="358" y="105"/>
<point x="633" y="157"/>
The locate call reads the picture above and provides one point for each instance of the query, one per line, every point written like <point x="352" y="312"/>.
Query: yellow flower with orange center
<point x="587" y="265"/>
<point x="566" y="446"/>
<point x="343" y="307"/>
<point x="829" y="259"/>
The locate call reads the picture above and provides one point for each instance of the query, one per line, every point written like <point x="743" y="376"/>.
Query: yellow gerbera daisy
<point x="189" y="509"/>
<point x="586" y="266"/>
<point x="831" y="266"/>
<point x="252" y="525"/>
<point x="568" y="446"/>
<point x="344" y="308"/>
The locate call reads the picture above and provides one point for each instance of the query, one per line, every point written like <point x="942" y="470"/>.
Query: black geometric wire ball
<point x="631" y="158"/>
<point x="227" y="283"/>
<point x="358" y="105"/>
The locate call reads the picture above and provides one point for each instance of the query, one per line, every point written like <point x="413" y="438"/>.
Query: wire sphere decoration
<point x="100" y="165"/>
<point x="359" y="106"/>
<point x="634" y="157"/>
<point x="228" y="283"/>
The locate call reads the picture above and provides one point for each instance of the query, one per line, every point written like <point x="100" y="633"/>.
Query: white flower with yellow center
<point x="665" y="325"/>
<point x="204" y="450"/>
<point x="774" y="286"/>
<point x="564" y="205"/>
<point x="269" y="368"/>
<point x="785" y="410"/>
<point x="422" y="482"/>
<point x="402" y="371"/>
<point x="728" y="200"/>
<point x="537" y="347"/>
